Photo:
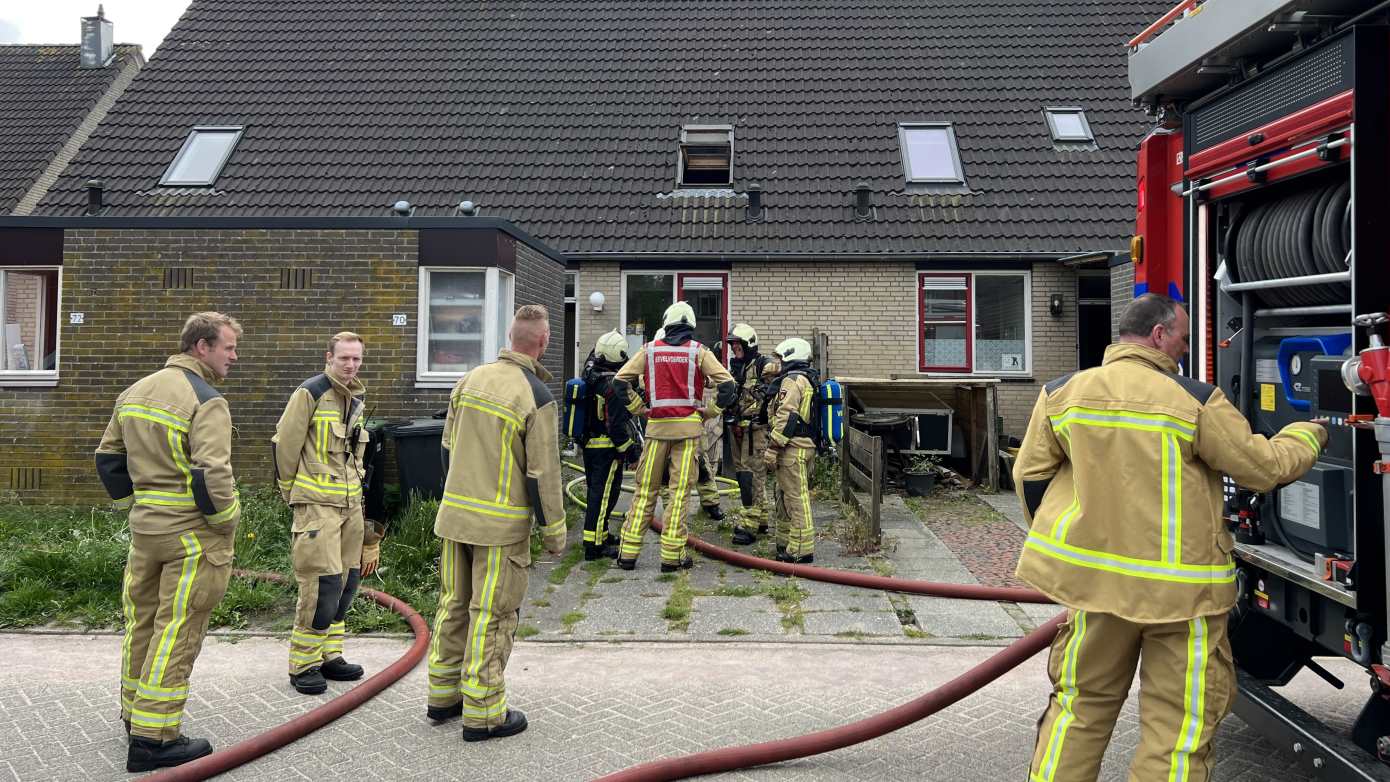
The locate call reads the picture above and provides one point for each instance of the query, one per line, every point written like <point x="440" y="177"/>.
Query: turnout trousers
<point x="680" y="459"/>
<point x="749" y="442"/>
<point x="603" y="478"/>
<point x="793" y="479"/>
<point x="481" y="589"/>
<point x="172" y="583"/>
<point x="326" y="549"/>
<point x="1186" y="686"/>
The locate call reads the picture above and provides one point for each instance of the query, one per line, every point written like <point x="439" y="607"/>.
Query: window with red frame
<point x="972" y="322"/>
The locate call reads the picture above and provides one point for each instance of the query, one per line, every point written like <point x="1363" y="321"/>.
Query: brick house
<point x="936" y="187"/>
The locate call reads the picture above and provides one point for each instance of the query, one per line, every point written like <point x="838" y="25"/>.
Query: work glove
<point x="632" y="454"/>
<point x="371" y="546"/>
<point x="707" y="413"/>
<point x="770" y="458"/>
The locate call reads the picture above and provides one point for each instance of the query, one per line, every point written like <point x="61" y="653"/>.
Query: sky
<point x="145" y="22"/>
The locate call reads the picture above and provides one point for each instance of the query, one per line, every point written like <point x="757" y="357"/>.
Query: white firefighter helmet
<point x="611" y="347"/>
<point x="678" y="312"/>
<point x="659" y="335"/>
<point x="745" y="334"/>
<point x="794" y="349"/>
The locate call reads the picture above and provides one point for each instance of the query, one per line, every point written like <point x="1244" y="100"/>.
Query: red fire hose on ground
<point x="711" y="761"/>
<point x="303" y="725"/>
<point x="750" y="755"/>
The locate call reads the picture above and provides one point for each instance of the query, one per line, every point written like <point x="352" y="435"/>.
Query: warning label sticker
<point x="1301" y="503"/>
<point x="1267" y="398"/>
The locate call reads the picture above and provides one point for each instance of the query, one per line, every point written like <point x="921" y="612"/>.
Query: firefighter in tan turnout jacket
<point x="748" y="433"/>
<point x="1120" y="473"/>
<point x="166" y="454"/>
<point x="674" y="369"/>
<point x="501" y="441"/>
<point x="319" y="446"/>
<point x="791" y="451"/>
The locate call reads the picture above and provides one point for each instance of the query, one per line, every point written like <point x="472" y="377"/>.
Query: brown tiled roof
<point x="563" y="116"/>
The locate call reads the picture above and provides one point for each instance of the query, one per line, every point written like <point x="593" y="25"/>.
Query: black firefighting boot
<point x="514" y="724"/>
<point x="714" y="512"/>
<point x="671" y="567"/>
<point x="783" y="556"/>
<point x="310" y="682"/>
<point x="340" y="670"/>
<point x="439" y="714"/>
<point x="743" y="537"/>
<point x="627" y="564"/>
<point x="148" y="754"/>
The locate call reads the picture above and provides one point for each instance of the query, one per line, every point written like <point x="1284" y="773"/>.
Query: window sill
<point x="1000" y="376"/>
<point x="50" y="381"/>
<point x="444" y="384"/>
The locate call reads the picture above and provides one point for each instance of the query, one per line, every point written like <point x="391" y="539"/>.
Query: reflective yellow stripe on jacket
<point x="1169" y="566"/>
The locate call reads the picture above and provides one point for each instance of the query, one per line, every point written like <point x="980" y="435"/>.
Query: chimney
<point x="755" y="202"/>
<point x="95" y="188"/>
<point x="97" y="42"/>
<point x="863" y="206"/>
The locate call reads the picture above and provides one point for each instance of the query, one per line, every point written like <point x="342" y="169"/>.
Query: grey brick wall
<point x="541" y="280"/>
<point x="132" y="325"/>
<point x="1121" y="293"/>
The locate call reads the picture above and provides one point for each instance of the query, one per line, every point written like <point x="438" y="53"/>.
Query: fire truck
<point x="1261" y="206"/>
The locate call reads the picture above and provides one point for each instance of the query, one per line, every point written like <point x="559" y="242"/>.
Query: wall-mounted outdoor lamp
<point x="596" y="301"/>
<point x="1054" y="305"/>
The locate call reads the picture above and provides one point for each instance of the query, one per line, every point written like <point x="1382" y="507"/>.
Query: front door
<point x="646" y="295"/>
<point x="1092" y="317"/>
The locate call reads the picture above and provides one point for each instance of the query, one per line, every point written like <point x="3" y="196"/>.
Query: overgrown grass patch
<point x="65" y="566"/>
<point x="567" y="562"/>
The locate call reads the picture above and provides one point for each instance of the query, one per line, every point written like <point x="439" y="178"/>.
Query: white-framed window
<point x="462" y="320"/>
<point x="929" y="153"/>
<point x="974" y="322"/>
<point x="647" y="294"/>
<point x="200" y="160"/>
<point x="29" y="305"/>
<point x="1068" y="124"/>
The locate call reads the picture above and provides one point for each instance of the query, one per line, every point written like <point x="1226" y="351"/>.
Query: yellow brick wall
<point x="869" y="311"/>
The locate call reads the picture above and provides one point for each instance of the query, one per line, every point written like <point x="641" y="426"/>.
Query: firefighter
<point x="748" y="436"/>
<point x="167" y="455"/>
<point x="675" y="368"/>
<point x="1120" y="474"/>
<point x="501" y="444"/>
<point x="791" y="448"/>
<point x="610" y="443"/>
<point x="705" y="484"/>
<point x="319" y="448"/>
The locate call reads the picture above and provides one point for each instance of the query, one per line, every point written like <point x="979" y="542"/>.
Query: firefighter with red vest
<point x="674" y="369"/>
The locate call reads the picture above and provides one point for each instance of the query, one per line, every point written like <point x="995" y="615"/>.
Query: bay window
<point x="462" y="321"/>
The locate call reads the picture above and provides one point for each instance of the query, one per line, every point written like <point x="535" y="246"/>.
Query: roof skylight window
<point x="1069" y="125"/>
<point x="930" y="153"/>
<point x="706" y="156"/>
<point x="202" y="156"/>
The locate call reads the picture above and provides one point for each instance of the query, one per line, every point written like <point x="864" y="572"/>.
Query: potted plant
<point x="919" y="477"/>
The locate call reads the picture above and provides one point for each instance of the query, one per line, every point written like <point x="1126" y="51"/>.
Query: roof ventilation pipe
<point x="755" y="203"/>
<point x="863" y="204"/>
<point x="95" y="198"/>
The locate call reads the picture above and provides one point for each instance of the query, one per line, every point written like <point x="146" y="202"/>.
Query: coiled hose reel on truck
<point x="1303" y="234"/>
